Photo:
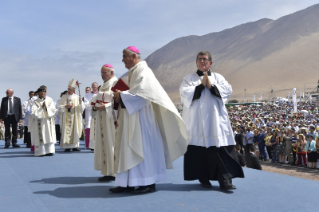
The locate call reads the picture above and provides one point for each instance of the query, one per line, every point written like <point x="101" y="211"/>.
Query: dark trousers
<point x="10" y="120"/>
<point x="269" y="151"/>
<point x="27" y="137"/>
<point x="261" y="147"/>
<point x="21" y="131"/>
<point x="57" y="132"/>
<point x="303" y="156"/>
<point x="247" y="147"/>
<point x="241" y="147"/>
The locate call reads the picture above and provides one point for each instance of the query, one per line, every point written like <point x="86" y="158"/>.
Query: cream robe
<point x="43" y="126"/>
<point x="104" y="131"/>
<point x="71" y="123"/>
<point x="148" y="97"/>
<point x="207" y="118"/>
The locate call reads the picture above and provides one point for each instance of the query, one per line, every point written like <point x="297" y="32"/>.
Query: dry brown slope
<point x="255" y="55"/>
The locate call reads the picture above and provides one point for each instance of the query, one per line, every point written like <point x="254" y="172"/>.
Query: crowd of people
<point x="279" y="134"/>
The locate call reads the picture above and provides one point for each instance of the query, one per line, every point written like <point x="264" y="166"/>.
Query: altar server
<point x="210" y="154"/>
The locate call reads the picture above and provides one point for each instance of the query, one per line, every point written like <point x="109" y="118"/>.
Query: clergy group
<point x="135" y="130"/>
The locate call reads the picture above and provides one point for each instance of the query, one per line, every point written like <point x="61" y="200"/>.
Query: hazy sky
<point x="51" y="42"/>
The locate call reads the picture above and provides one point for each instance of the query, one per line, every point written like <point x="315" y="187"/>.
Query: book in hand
<point x="122" y="86"/>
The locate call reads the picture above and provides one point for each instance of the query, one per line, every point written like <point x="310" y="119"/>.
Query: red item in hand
<point x="122" y="86"/>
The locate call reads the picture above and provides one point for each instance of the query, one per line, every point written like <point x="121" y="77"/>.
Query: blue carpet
<point x="68" y="182"/>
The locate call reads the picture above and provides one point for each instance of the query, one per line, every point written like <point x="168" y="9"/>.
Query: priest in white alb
<point x="71" y="108"/>
<point x="87" y="121"/>
<point x="210" y="154"/>
<point x="104" y="135"/>
<point x="42" y="125"/>
<point x="151" y="133"/>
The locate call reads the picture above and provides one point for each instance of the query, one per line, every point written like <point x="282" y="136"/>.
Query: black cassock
<point x="212" y="163"/>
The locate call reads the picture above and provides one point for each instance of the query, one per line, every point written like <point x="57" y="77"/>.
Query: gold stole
<point x="69" y="124"/>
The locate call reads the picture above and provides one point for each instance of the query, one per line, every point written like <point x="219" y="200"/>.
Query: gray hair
<point x="138" y="56"/>
<point x="94" y="83"/>
<point x="207" y="53"/>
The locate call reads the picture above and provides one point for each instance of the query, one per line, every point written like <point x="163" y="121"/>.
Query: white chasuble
<point x="206" y="118"/>
<point x="43" y="126"/>
<point x="104" y="129"/>
<point x="71" y="123"/>
<point x="151" y="134"/>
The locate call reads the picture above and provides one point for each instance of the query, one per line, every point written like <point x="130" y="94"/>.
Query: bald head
<point x="9" y="92"/>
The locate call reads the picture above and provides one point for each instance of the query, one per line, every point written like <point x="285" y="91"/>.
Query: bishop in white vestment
<point x="210" y="154"/>
<point x="103" y="132"/>
<point x="71" y="108"/>
<point x="42" y="125"/>
<point x="151" y="133"/>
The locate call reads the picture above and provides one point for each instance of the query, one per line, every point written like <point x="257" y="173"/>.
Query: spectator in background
<point x="249" y="138"/>
<point x="260" y="139"/>
<point x="11" y="114"/>
<point x="294" y="138"/>
<point x="301" y="150"/>
<point x="311" y="152"/>
<point x="281" y="147"/>
<point x="251" y="159"/>
<point x="274" y="143"/>
<point x="241" y="158"/>
<point x="268" y="144"/>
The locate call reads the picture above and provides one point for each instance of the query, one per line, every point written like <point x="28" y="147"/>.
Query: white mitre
<point x="72" y="84"/>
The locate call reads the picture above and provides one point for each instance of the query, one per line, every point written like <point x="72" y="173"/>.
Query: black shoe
<point x="121" y="189"/>
<point x="92" y="150"/>
<point x="205" y="183"/>
<point x="67" y="150"/>
<point x="106" y="178"/>
<point x="145" y="189"/>
<point x="6" y="147"/>
<point x="49" y="154"/>
<point x="15" y="146"/>
<point x="227" y="186"/>
<point x="76" y="150"/>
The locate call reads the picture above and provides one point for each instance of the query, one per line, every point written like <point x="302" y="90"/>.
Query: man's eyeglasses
<point x="202" y="59"/>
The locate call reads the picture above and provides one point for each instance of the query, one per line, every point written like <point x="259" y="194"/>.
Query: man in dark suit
<point x="251" y="159"/>
<point x="241" y="158"/>
<point x="11" y="114"/>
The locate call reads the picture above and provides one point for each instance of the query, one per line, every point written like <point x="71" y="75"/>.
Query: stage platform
<point x="68" y="182"/>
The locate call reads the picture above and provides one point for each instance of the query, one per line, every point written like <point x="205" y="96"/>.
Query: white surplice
<point x="43" y="126"/>
<point x="103" y="132"/>
<point x="88" y="117"/>
<point x="206" y="118"/>
<point x="153" y="167"/>
<point x="71" y="123"/>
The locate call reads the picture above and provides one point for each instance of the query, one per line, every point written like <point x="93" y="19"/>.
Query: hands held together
<point x="205" y="81"/>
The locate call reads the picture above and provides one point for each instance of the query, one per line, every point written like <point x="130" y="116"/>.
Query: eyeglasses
<point x="202" y="59"/>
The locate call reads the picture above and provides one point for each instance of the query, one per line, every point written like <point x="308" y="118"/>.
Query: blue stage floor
<point x="68" y="182"/>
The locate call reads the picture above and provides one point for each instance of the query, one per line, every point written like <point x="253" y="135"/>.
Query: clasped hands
<point x="205" y="81"/>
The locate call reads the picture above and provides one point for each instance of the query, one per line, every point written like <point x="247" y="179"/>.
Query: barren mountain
<point x="257" y="56"/>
